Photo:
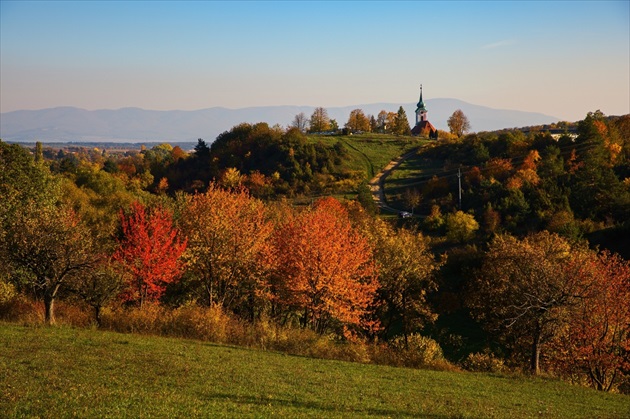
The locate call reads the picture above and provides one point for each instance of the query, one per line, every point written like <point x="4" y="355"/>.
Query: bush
<point x="483" y="362"/>
<point x="7" y="292"/>
<point x="420" y="351"/>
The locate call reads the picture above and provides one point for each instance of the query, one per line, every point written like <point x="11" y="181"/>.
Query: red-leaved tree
<point x="150" y="251"/>
<point x="595" y="344"/>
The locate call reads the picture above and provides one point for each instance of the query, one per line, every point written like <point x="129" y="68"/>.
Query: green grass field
<point x="64" y="372"/>
<point x="371" y="152"/>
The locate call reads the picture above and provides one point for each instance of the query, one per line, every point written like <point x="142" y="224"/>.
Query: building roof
<point x="421" y="126"/>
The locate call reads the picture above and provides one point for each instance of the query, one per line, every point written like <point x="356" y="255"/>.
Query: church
<point x="423" y="126"/>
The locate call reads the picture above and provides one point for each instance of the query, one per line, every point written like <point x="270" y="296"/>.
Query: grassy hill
<point x="63" y="372"/>
<point x="371" y="152"/>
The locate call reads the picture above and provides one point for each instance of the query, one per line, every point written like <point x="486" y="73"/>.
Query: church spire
<point x="421" y="106"/>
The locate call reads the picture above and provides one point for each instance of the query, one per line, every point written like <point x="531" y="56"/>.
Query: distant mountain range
<point x="67" y="124"/>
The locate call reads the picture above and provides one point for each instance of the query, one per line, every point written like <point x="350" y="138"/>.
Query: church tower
<point x="423" y="126"/>
<point x="421" y="110"/>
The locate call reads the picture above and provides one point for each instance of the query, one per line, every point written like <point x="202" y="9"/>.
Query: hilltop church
<point x="423" y="126"/>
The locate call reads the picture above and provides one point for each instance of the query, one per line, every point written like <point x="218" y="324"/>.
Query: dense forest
<point x="527" y="272"/>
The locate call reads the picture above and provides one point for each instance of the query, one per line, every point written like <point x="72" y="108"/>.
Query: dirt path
<point x="377" y="184"/>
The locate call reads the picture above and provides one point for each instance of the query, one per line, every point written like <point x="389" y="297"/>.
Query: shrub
<point x="483" y="362"/>
<point x="7" y="292"/>
<point x="420" y="351"/>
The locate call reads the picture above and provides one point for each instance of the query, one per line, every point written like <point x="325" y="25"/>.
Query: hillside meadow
<point x="67" y="372"/>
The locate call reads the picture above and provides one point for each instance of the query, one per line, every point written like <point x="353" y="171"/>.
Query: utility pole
<point x="459" y="189"/>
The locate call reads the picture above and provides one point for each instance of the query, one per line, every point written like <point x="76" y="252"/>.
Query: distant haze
<point x="68" y="124"/>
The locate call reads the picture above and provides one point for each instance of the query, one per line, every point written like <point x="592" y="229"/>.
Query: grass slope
<point x="370" y="152"/>
<point x="63" y="372"/>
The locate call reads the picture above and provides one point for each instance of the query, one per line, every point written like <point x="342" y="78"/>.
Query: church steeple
<point x="421" y="110"/>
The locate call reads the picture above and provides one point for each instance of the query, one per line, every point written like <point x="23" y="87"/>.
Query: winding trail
<point x="377" y="183"/>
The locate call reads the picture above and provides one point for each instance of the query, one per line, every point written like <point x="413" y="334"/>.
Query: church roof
<point x="422" y="126"/>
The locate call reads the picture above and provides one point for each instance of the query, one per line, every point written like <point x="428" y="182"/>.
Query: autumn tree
<point x="524" y="289"/>
<point x="458" y="123"/>
<point x="406" y="275"/>
<point x="150" y="250"/>
<point x="228" y="233"/>
<point x="357" y="121"/>
<point x="412" y="198"/>
<point x="46" y="246"/>
<point x="381" y="121"/>
<point x="461" y="227"/>
<point x="300" y="121"/>
<point x="594" y="344"/>
<point x="319" y="121"/>
<point x="325" y="272"/>
<point x="100" y="285"/>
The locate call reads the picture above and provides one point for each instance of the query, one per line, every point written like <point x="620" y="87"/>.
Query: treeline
<point x="358" y="122"/>
<point x="269" y="161"/>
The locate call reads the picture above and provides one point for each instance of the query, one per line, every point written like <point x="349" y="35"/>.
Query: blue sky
<point x="560" y="58"/>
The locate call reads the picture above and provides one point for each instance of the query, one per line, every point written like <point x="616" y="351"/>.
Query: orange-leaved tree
<point x="325" y="272"/>
<point x="150" y="250"/>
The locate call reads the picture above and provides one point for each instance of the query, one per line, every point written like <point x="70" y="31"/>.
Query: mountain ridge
<point x="68" y="123"/>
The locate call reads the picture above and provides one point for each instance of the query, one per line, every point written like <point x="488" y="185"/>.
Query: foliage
<point x="324" y="270"/>
<point x="407" y="272"/>
<point x="99" y="286"/>
<point x="149" y="249"/>
<point x="22" y="180"/>
<point x="227" y="235"/>
<point x="46" y="247"/>
<point x="461" y="227"/>
<point x="357" y="121"/>
<point x="319" y="122"/>
<point x="483" y="362"/>
<point x="401" y="123"/>
<point x="525" y="287"/>
<point x="416" y="351"/>
<point x="595" y="344"/>
<point x="458" y="123"/>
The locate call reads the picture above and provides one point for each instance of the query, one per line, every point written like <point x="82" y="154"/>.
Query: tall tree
<point x="325" y="271"/>
<point x="458" y="123"/>
<point x="357" y="121"/>
<point x="150" y="250"/>
<point x="228" y="234"/>
<point x="595" y="342"/>
<point x="381" y="120"/>
<point x="47" y="247"/>
<point x="401" y="123"/>
<point x="524" y="288"/>
<point x="300" y="121"/>
<point x="406" y="270"/>
<point x="319" y="121"/>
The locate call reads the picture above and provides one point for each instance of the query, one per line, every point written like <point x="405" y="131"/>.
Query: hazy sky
<point x="561" y="58"/>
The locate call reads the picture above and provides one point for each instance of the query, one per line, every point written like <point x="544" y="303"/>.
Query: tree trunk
<point x="49" y="307"/>
<point x="535" y="360"/>
<point x="97" y="315"/>
<point x="49" y="304"/>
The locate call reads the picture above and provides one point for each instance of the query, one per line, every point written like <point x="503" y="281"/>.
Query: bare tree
<point x="300" y="121"/>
